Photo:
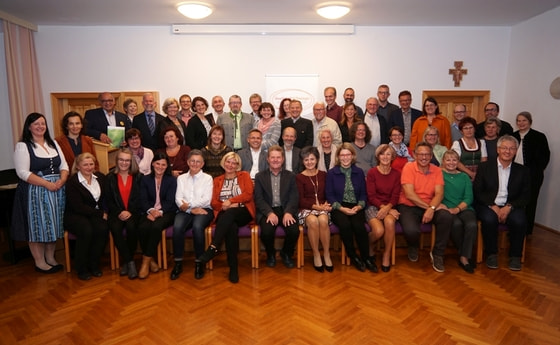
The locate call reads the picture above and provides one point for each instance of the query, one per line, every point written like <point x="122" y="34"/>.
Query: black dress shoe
<point x="287" y="260"/>
<point x="329" y="268"/>
<point x="84" y="276"/>
<point x="371" y="266"/>
<point x="198" y="269"/>
<point x="177" y="270"/>
<point x="49" y="271"/>
<point x="319" y="269"/>
<point x="57" y="267"/>
<point x="358" y="264"/>
<point x="467" y="267"/>
<point x="385" y="268"/>
<point x="208" y="255"/>
<point x="233" y="275"/>
<point x="271" y="261"/>
<point x="96" y="273"/>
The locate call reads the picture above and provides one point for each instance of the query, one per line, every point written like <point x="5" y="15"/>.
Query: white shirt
<point x="255" y="167"/>
<point x="94" y="188"/>
<point x="503" y="178"/>
<point x="372" y="121"/>
<point x="111" y="118"/>
<point x="288" y="161"/>
<point x="195" y="190"/>
<point x="331" y="125"/>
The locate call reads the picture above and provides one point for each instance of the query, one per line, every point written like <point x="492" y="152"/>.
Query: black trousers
<point x="268" y="233"/>
<point x="351" y="227"/>
<point x="91" y="237"/>
<point x="125" y="245"/>
<point x="150" y="232"/>
<point x="228" y="223"/>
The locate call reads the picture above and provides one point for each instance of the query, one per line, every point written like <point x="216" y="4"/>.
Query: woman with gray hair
<point x="534" y="153"/>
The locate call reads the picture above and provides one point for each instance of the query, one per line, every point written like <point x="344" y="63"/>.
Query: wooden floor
<point x="411" y="304"/>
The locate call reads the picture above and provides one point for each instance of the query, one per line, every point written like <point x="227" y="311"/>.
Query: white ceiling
<point x="365" y="12"/>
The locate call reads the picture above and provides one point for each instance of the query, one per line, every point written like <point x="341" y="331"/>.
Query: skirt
<point x="38" y="213"/>
<point x="371" y="212"/>
<point x="304" y="213"/>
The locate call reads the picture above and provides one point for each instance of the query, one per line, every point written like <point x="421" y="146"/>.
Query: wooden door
<point x="474" y="100"/>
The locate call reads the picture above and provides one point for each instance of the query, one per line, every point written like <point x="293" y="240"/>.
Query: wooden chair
<point x="280" y="233"/>
<point x="167" y="234"/>
<point x="70" y="236"/>
<point x="502" y="232"/>
<point x="250" y="230"/>
<point x="334" y="232"/>
<point x="115" y="251"/>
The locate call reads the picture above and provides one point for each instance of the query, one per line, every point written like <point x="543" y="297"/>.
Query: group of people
<point x="362" y="170"/>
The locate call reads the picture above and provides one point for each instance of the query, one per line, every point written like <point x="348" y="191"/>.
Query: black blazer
<point x="289" y="196"/>
<point x="297" y="165"/>
<point x="247" y="160"/>
<point x="96" y="122"/>
<point x="304" y="130"/>
<point x="210" y="119"/>
<point x="486" y="183"/>
<point x="166" y="123"/>
<point x="80" y="202"/>
<point x="196" y="136"/>
<point x="113" y="197"/>
<point x="166" y="193"/>
<point x="396" y="119"/>
<point x="536" y="154"/>
<point x="141" y="123"/>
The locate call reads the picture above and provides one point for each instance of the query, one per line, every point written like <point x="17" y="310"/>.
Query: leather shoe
<point x="467" y="267"/>
<point x="208" y="255"/>
<point x="371" y="266"/>
<point x="145" y="268"/>
<point x="198" y="269"/>
<point x="132" y="273"/>
<point x="57" y="267"/>
<point x="287" y="260"/>
<point x="319" y="269"/>
<point x="359" y="264"/>
<point x="385" y="268"/>
<point x="124" y="270"/>
<point x="49" y="271"/>
<point x="233" y="275"/>
<point x="84" y="276"/>
<point x="271" y="261"/>
<point x="96" y="273"/>
<point x="177" y="270"/>
<point x="154" y="268"/>
<point x="329" y="268"/>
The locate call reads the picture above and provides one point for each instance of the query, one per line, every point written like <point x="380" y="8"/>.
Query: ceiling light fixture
<point x="333" y="9"/>
<point x="195" y="9"/>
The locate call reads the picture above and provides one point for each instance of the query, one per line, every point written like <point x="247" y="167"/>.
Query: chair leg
<point x="300" y="248"/>
<point x="255" y="246"/>
<point x="433" y="242"/>
<point x="164" y="248"/>
<point x="393" y="250"/>
<point x="208" y="240"/>
<point x="479" y="243"/>
<point x="67" y="251"/>
<point x="112" y="251"/>
<point x="523" y="251"/>
<point x="158" y="250"/>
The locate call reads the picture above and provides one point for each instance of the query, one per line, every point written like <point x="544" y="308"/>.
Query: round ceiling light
<point x="333" y="9"/>
<point x="194" y="9"/>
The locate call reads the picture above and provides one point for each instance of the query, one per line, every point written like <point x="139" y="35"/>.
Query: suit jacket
<point x="304" y="130"/>
<point x="87" y="146"/>
<point x="396" y="118"/>
<point x="289" y="196"/>
<point x="96" y="122"/>
<point x="297" y="166"/>
<point x="113" y="198"/>
<point x="245" y="125"/>
<point x="383" y="129"/>
<point x="166" y="123"/>
<point x="505" y="129"/>
<point x="141" y="123"/>
<point x="196" y="136"/>
<point x="536" y="154"/>
<point x="80" y="202"/>
<point x="247" y="160"/>
<point x="246" y="197"/>
<point x="486" y="182"/>
<point x="210" y="119"/>
<point x="167" y="191"/>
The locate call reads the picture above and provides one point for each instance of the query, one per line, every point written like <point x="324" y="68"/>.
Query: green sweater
<point x="458" y="187"/>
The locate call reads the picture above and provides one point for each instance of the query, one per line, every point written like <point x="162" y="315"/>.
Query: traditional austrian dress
<point x="38" y="213"/>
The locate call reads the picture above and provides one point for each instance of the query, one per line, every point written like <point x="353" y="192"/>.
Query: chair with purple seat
<point x="70" y="236"/>
<point x="249" y="230"/>
<point x="280" y="233"/>
<point x="167" y="234"/>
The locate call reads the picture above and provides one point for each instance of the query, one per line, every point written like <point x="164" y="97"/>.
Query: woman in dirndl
<point x="40" y="199"/>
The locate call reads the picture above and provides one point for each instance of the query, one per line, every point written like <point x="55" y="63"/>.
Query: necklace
<point x="315" y="187"/>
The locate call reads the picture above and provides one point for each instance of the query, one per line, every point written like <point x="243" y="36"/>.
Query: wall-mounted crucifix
<point x="458" y="72"/>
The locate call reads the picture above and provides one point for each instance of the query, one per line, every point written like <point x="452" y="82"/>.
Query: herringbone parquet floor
<point x="411" y="304"/>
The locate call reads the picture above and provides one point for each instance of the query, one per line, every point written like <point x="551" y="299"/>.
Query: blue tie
<point x="151" y="124"/>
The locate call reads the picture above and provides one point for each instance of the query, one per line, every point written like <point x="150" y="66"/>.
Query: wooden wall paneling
<point x="475" y="100"/>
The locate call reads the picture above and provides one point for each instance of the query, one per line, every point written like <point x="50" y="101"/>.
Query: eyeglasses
<point x="192" y="161"/>
<point x="506" y="148"/>
<point x="122" y="160"/>
<point x="492" y="109"/>
<point x="107" y="100"/>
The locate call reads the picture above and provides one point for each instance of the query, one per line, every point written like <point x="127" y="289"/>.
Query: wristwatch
<point x="433" y="207"/>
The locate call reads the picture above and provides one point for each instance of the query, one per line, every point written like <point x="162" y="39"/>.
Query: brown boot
<point x="145" y="268"/>
<point x="154" y="268"/>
